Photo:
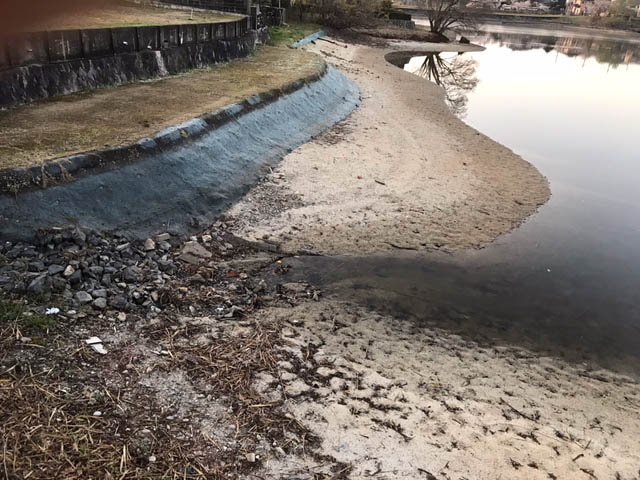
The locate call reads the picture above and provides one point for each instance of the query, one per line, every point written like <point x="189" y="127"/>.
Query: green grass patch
<point x="17" y="313"/>
<point x="291" y="33"/>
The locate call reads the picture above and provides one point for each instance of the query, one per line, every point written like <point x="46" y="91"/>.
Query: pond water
<point x="568" y="281"/>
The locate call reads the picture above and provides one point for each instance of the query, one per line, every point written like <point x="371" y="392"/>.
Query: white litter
<point x="96" y="344"/>
<point x="52" y="311"/>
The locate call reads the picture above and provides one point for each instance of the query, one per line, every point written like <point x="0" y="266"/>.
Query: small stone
<point x="149" y="245"/>
<point x="58" y="284"/>
<point x="336" y="384"/>
<point x="122" y="316"/>
<point x="96" y="271"/>
<point x="251" y="457"/>
<point x="165" y="265"/>
<point x="83" y="297"/>
<point x="40" y="284"/>
<point x="76" y="277"/>
<point x="192" y="259"/>
<point x="288" y="333"/>
<point x="123" y="246"/>
<point x="207" y="238"/>
<point x="100" y="293"/>
<point x="152" y="459"/>
<point x="163" y="237"/>
<point x="55" y="269"/>
<point x="68" y="271"/>
<point x="131" y="274"/>
<point x="100" y="303"/>
<point x="194" y="248"/>
<point x="35" y="266"/>
<point x="78" y="236"/>
<point x="119" y="302"/>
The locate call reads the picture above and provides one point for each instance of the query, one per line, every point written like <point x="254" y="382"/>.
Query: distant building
<point x="587" y="7"/>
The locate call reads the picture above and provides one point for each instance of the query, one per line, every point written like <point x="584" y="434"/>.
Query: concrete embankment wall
<point x="185" y="175"/>
<point x="41" y="65"/>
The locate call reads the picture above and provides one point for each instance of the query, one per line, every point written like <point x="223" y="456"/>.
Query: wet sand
<point x="398" y="397"/>
<point x="396" y="400"/>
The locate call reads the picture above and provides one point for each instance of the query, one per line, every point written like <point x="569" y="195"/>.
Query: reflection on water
<point x="609" y="52"/>
<point x="568" y="280"/>
<point x="456" y="75"/>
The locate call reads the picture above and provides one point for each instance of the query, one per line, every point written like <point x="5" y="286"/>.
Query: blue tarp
<point x="309" y="39"/>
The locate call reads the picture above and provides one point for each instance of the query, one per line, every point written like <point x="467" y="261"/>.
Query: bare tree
<point x="445" y="15"/>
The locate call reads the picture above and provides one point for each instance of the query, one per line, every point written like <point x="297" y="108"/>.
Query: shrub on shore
<point x="341" y="13"/>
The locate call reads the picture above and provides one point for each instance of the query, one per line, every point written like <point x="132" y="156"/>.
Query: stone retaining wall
<point x="39" y="65"/>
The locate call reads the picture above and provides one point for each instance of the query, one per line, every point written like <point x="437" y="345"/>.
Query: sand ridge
<point x="402" y="172"/>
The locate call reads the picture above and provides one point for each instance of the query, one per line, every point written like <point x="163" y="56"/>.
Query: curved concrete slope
<point x="196" y="180"/>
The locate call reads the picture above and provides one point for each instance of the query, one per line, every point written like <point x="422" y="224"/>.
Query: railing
<point x="65" y="45"/>
<point x="262" y="12"/>
<point x="236" y="6"/>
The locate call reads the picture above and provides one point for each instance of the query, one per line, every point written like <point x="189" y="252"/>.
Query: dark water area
<point x="567" y="282"/>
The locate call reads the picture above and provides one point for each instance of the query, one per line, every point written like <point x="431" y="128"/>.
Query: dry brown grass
<point x="121" y="14"/>
<point x="229" y="366"/>
<point x="52" y="385"/>
<point x="49" y="396"/>
<point x="110" y="117"/>
<point x="49" y="403"/>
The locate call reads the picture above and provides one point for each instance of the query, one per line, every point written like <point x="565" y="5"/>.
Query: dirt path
<point x="401" y="173"/>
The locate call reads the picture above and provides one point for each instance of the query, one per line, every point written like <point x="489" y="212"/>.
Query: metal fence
<point x="236" y="6"/>
<point x="262" y="12"/>
<point x="64" y="45"/>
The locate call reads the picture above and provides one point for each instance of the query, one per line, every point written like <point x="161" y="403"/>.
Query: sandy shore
<point x="231" y="370"/>
<point x="393" y="398"/>
<point x="401" y="172"/>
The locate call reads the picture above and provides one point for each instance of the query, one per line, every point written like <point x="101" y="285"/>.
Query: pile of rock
<point x="90" y="268"/>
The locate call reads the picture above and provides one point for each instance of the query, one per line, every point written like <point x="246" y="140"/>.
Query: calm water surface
<point x="568" y="281"/>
